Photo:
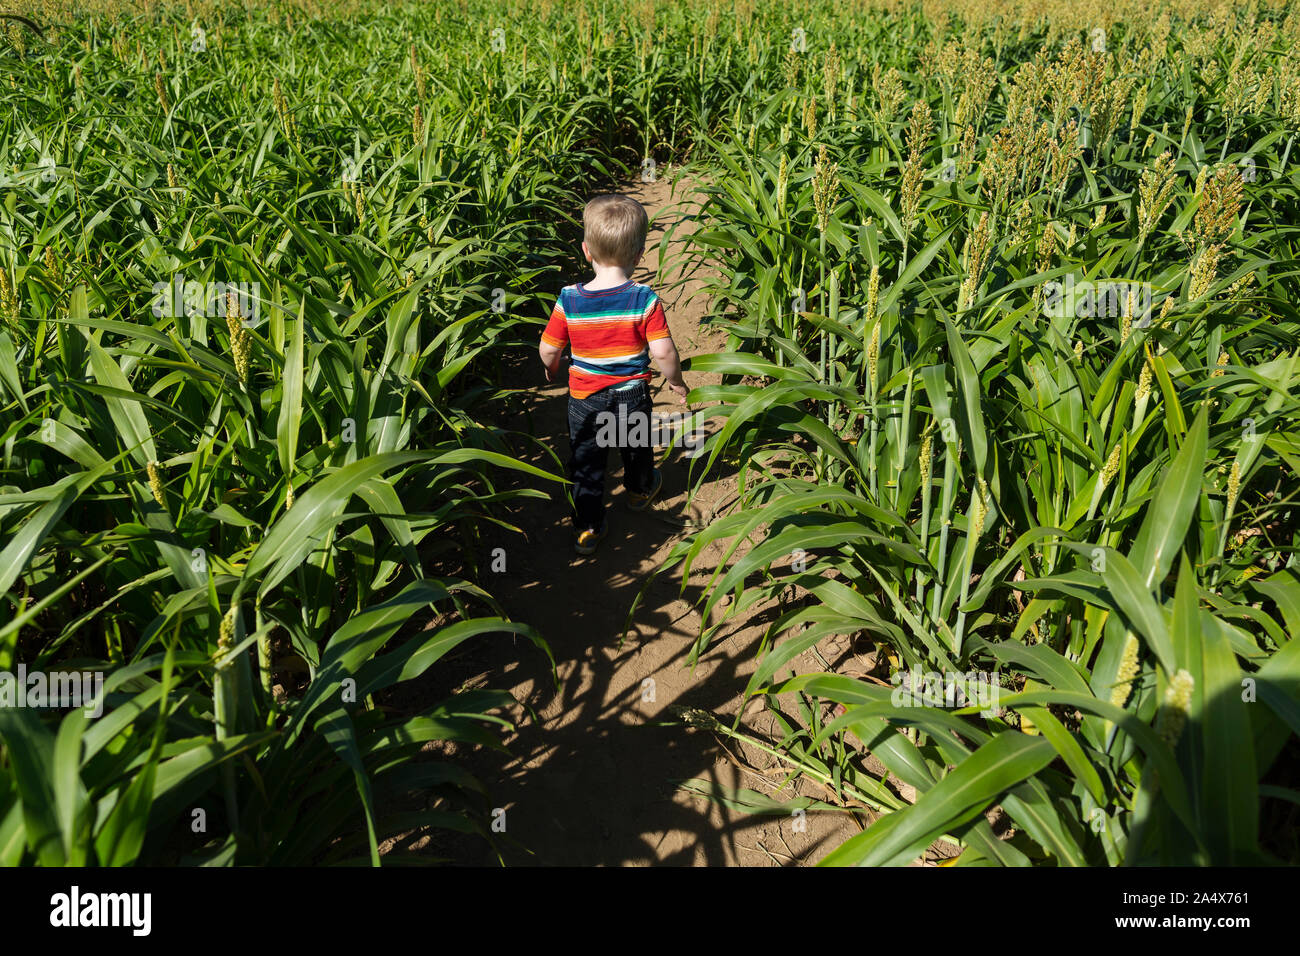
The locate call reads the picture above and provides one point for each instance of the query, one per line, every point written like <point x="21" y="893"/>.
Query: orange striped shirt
<point x="608" y="332"/>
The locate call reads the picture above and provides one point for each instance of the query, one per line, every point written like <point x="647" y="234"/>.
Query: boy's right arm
<point x="550" y="356"/>
<point x="554" y="338"/>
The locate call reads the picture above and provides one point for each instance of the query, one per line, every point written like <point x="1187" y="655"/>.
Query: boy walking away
<point x="613" y="327"/>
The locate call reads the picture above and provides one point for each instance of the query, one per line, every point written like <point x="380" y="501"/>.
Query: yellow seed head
<point x="240" y="338"/>
<point x="1174" y="709"/>
<point x="287" y="121"/>
<point x="1205" y="269"/>
<point x="1109" y="472"/>
<point x="696" y="717"/>
<point x="288" y="496"/>
<point x="8" y="298"/>
<point x="161" y="90"/>
<point x="1021" y="223"/>
<point x="1046" y="248"/>
<point x="920" y="128"/>
<point x="826" y="184"/>
<point x="226" y="631"/>
<point x="927" y="458"/>
<point x="873" y="355"/>
<point x="1064" y="152"/>
<point x="1128" y="668"/>
<point x="890" y="92"/>
<point x="782" y="184"/>
<point x="1216" y="216"/>
<point x="172" y="181"/>
<point x="979" y="507"/>
<point x="1144" y="381"/>
<point x="977" y="247"/>
<point x="1241" y="285"/>
<point x="873" y="294"/>
<point x="1155" y="192"/>
<point x="1234" y="486"/>
<point x="1166" y="308"/>
<point x="790" y="67"/>
<point x="831" y="77"/>
<point x="910" y="195"/>
<point x="155" y="483"/>
<point x="1139" y="104"/>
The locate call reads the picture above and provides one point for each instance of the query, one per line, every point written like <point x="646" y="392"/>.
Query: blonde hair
<point x="614" y="228"/>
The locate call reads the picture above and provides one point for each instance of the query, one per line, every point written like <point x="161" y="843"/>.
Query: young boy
<point x="613" y="327"/>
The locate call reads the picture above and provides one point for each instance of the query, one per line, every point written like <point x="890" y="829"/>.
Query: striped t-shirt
<point x="608" y="332"/>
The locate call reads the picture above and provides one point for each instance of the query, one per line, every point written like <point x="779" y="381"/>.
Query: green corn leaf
<point x="128" y="415"/>
<point x="990" y="771"/>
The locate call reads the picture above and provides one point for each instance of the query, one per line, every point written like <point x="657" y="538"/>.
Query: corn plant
<point x="953" y="459"/>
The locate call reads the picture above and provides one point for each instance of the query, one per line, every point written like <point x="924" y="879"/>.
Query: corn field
<point x="1008" y="291"/>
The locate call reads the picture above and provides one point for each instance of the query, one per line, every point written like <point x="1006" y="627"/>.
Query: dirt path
<point x="594" y="781"/>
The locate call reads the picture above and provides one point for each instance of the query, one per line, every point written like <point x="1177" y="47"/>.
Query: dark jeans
<point x="609" y="419"/>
